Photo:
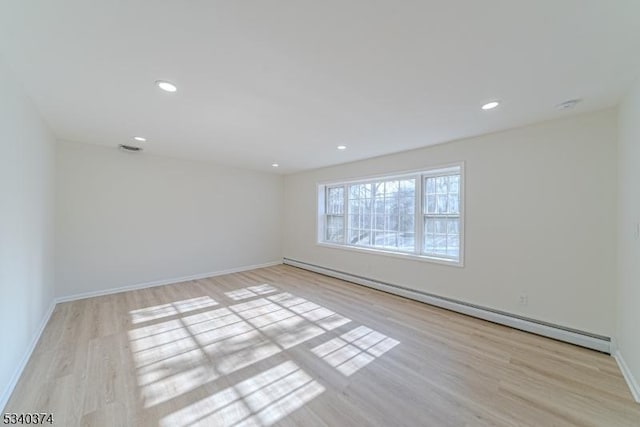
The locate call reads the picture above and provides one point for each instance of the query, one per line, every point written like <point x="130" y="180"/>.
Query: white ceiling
<point x="288" y="80"/>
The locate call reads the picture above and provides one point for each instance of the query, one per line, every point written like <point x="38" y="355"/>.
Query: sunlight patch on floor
<point x="178" y="360"/>
<point x="182" y="382"/>
<point x="261" y="400"/>
<point x="280" y="324"/>
<point x="292" y="331"/>
<point x="250" y="292"/>
<point x="171" y="365"/>
<point x="179" y="355"/>
<point x="165" y="310"/>
<point x="241" y="351"/>
<point x="354" y="349"/>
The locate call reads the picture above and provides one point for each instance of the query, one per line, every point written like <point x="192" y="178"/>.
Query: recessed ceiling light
<point x="566" y="105"/>
<point x="140" y="139"/>
<point x="275" y="165"/>
<point x="166" y="86"/>
<point x="342" y="147"/>
<point x="490" y="105"/>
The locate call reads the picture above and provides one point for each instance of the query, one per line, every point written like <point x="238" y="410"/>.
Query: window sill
<point x="407" y="256"/>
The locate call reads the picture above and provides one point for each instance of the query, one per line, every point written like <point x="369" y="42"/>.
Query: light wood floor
<point x="283" y="346"/>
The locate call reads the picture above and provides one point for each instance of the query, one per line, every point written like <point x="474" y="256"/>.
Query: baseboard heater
<point x="561" y="333"/>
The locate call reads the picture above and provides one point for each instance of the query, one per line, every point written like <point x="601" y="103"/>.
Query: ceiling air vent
<point x="130" y="148"/>
<point x="567" y="105"/>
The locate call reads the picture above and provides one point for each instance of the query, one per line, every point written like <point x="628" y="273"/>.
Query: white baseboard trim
<point x="628" y="376"/>
<point x="162" y="282"/>
<point x="6" y="393"/>
<point x="560" y="333"/>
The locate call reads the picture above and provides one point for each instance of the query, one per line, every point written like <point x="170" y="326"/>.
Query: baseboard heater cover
<point x="560" y="333"/>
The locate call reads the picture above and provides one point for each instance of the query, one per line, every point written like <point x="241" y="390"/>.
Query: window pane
<point x="406" y="224"/>
<point x="454" y="184"/>
<point x="360" y="237"/>
<point x="408" y="188"/>
<point x="453" y="226"/>
<point x="430" y="226"/>
<point x="442" y="237"/>
<point x="431" y="186"/>
<point x="406" y="241"/>
<point x="354" y="235"/>
<point x="335" y="221"/>
<point x="335" y="200"/>
<point x="359" y="191"/>
<point x="391" y="206"/>
<point x="377" y="190"/>
<point x="379" y="206"/>
<point x="441" y="244"/>
<point x="431" y="203"/>
<point x="392" y="222"/>
<point x="391" y="188"/>
<point x="441" y="203"/>
<point x="354" y="221"/>
<point x="354" y="191"/>
<point x="391" y="240"/>
<point x="407" y="206"/>
<point x="379" y="224"/>
<point x="453" y="242"/>
<point x="383" y="209"/>
<point x="453" y="205"/>
<point x="429" y="242"/>
<point x="335" y="228"/>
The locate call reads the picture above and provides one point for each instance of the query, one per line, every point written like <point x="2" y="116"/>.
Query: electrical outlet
<point x="524" y="299"/>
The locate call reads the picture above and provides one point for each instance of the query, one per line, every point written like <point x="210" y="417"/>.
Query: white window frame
<point x="420" y="176"/>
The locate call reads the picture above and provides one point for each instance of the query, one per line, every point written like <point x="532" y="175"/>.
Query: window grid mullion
<point x="446" y="222"/>
<point x="398" y="199"/>
<point x="326" y="212"/>
<point x="418" y="224"/>
<point x="345" y="213"/>
<point x="385" y="221"/>
<point x="372" y="214"/>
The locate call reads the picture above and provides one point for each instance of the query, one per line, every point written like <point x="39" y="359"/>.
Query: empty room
<point x="320" y="213"/>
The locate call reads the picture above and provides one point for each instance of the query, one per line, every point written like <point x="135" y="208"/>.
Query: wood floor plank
<point x="284" y="346"/>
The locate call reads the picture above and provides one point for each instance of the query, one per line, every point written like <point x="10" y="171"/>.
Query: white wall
<point x="124" y="219"/>
<point x="26" y="226"/>
<point x="540" y="220"/>
<point x="628" y="242"/>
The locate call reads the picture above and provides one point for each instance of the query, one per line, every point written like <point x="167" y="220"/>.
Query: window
<point x="442" y="216"/>
<point x="335" y="214"/>
<point x="416" y="214"/>
<point x="382" y="214"/>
